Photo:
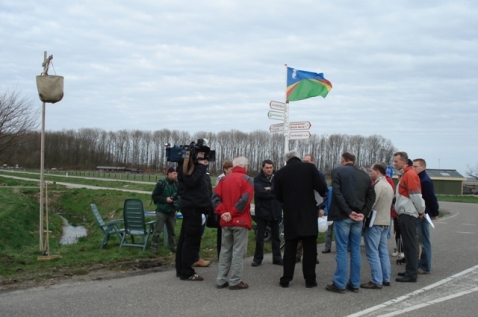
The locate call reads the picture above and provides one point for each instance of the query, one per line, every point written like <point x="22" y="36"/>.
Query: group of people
<point x="297" y="194"/>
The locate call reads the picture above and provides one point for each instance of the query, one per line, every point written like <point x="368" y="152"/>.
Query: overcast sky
<point x="406" y="70"/>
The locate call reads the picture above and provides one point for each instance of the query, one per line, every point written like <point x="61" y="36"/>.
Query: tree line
<point x="87" y="148"/>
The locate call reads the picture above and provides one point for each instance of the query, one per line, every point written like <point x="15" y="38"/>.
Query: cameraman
<point x="195" y="200"/>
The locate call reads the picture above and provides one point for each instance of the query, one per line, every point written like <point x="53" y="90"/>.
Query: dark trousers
<point x="218" y="241"/>
<point x="408" y="231"/>
<point x="396" y="227"/>
<point x="308" y="263"/>
<point x="189" y="242"/>
<point x="261" y="229"/>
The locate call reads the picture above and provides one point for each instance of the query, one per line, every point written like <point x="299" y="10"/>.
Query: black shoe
<point x="317" y="261"/>
<point x="173" y="249"/>
<point x="326" y="251"/>
<point x="284" y="284"/>
<point x="254" y="263"/>
<point x="223" y="285"/>
<point x="311" y="284"/>
<point x="370" y="285"/>
<point x="406" y="279"/>
<point x="386" y="283"/>
<point x="297" y="260"/>
<point x="333" y="288"/>
<point x="351" y="288"/>
<point x="401" y="273"/>
<point x="278" y="262"/>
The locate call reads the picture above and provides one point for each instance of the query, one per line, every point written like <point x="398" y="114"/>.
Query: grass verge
<point x="19" y="247"/>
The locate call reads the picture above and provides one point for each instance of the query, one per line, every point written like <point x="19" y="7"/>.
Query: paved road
<point x="451" y="289"/>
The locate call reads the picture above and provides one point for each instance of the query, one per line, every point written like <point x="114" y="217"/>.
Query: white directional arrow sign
<point x="279" y="127"/>
<point x="276" y="105"/>
<point x="300" y="125"/>
<point x="299" y="135"/>
<point x="275" y="115"/>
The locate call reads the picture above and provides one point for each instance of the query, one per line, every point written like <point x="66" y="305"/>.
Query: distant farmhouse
<point x="445" y="181"/>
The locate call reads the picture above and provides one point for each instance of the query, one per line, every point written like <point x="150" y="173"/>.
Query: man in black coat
<point x="294" y="187"/>
<point x="268" y="211"/>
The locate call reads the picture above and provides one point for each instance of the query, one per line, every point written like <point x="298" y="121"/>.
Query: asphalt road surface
<point x="450" y="290"/>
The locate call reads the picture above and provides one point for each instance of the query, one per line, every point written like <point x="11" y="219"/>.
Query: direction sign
<point x="278" y="127"/>
<point x="276" y="105"/>
<point x="275" y="115"/>
<point x="300" y="125"/>
<point x="299" y="135"/>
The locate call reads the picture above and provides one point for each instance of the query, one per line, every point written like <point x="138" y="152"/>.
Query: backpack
<point x="162" y="185"/>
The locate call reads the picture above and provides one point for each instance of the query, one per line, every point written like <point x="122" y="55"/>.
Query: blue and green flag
<point x="302" y="84"/>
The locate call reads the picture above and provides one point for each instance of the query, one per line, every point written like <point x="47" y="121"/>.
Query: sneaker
<point x="395" y="252"/>
<point x="420" y="271"/>
<point x="241" y="285"/>
<point x="401" y="255"/>
<point x="193" y="277"/>
<point x="333" y="288"/>
<point x="351" y="288"/>
<point x="370" y="285"/>
<point x="173" y="249"/>
<point x="326" y="251"/>
<point x="201" y="263"/>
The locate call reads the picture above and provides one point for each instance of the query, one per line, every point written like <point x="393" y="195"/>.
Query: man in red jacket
<point x="232" y="201"/>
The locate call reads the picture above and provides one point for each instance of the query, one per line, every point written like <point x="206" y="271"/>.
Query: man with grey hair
<point x="232" y="201"/>
<point x="294" y="187"/>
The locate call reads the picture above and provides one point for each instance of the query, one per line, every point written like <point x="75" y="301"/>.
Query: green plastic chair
<point x="108" y="228"/>
<point x="135" y="225"/>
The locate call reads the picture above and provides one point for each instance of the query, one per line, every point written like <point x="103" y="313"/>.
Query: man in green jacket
<point x="165" y="197"/>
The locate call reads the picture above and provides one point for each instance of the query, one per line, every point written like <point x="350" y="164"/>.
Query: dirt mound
<point x="94" y="272"/>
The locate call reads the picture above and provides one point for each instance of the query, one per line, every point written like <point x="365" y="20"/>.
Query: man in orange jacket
<point x="409" y="206"/>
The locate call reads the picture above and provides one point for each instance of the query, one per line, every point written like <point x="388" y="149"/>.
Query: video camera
<point x="177" y="153"/>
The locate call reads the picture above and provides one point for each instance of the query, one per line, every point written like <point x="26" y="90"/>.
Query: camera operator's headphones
<point x="188" y="164"/>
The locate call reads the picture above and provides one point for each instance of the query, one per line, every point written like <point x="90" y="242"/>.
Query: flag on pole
<point x="302" y="84"/>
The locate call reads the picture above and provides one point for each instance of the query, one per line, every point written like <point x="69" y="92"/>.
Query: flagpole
<point x="286" y="120"/>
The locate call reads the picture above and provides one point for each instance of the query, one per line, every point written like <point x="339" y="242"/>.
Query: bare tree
<point x="17" y="119"/>
<point x="473" y="171"/>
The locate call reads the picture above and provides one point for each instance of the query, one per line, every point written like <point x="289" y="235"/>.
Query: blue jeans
<point x="346" y="231"/>
<point x="376" y="250"/>
<point x="423" y="229"/>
